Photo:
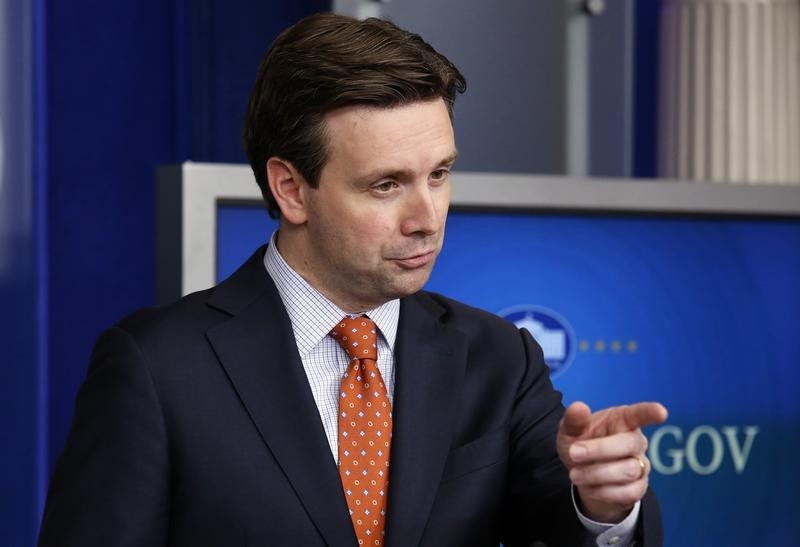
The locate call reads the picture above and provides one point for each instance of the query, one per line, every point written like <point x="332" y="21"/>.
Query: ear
<point x="289" y="188"/>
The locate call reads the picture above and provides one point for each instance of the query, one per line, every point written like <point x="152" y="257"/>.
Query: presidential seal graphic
<point x="550" y="330"/>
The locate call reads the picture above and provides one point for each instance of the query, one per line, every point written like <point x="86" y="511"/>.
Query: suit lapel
<point x="429" y="368"/>
<point x="256" y="347"/>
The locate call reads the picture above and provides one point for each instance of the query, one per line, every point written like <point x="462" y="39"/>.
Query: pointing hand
<point x="604" y="452"/>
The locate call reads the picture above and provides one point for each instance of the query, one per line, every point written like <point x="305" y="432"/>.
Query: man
<point x="318" y="396"/>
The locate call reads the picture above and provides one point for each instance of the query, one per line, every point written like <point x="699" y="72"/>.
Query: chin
<point x="413" y="286"/>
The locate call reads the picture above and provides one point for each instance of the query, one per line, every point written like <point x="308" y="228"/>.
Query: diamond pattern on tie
<point x="365" y="430"/>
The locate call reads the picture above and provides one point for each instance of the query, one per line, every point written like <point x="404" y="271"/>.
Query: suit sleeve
<point x="110" y="486"/>
<point x="540" y="506"/>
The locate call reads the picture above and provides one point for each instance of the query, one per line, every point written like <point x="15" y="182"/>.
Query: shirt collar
<point x="312" y="315"/>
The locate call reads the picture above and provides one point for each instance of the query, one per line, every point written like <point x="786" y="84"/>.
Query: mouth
<point x="415" y="261"/>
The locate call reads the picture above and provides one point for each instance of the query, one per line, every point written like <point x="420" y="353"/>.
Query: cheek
<point x="443" y="213"/>
<point x="443" y="204"/>
<point x="377" y="227"/>
<point x="367" y="236"/>
<point x="376" y="242"/>
<point x="442" y="223"/>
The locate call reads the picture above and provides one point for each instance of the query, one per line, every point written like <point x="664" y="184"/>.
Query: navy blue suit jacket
<point x="196" y="426"/>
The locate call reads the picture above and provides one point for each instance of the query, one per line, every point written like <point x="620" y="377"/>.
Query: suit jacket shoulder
<point x="201" y="310"/>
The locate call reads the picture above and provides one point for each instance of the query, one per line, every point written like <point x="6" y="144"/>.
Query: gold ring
<point x="642" y="465"/>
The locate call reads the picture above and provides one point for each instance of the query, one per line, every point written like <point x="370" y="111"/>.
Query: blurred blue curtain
<point x="93" y="96"/>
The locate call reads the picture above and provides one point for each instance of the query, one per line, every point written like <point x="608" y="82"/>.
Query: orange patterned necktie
<point x="365" y="430"/>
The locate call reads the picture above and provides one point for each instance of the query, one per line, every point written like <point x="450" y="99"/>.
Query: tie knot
<point x="358" y="337"/>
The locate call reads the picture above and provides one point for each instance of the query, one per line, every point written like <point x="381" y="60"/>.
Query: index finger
<point x="642" y="414"/>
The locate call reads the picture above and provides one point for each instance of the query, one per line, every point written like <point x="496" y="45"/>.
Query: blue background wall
<point x="110" y="91"/>
<point x="21" y="348"/>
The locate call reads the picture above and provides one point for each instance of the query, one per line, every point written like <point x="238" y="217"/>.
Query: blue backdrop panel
<point x="240" y="230"/>
<point x="700" y="314"/>
<point x="22" y="333"/>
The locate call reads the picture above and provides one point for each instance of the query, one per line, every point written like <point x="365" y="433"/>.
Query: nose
<point x="424" y="208"/>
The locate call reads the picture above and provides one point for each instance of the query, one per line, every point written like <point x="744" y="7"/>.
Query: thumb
<point x="576" y="419"/>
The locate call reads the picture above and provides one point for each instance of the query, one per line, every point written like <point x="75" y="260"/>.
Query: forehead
<point x="418" y="135"/>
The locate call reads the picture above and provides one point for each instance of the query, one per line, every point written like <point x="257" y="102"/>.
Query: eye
<point x="440" y="175"/>
<point x="385" y="186"/>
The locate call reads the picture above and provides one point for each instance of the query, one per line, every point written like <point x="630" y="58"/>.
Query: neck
<point x="291" y="247"/>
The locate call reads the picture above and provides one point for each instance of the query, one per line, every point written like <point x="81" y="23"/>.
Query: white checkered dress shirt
<point x="325" y="362"/>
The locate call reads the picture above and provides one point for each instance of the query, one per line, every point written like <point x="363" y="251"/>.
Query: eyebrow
<point x="404" y="173"/>
<point x="451" y="159"/>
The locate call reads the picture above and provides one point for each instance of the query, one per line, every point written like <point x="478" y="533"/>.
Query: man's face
<point x="375" y="224"/>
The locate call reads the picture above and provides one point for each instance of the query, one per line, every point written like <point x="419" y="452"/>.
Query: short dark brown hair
<point x="328" y="61"/>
